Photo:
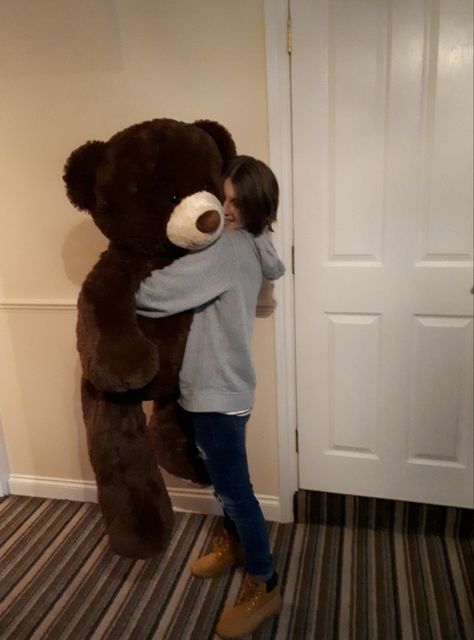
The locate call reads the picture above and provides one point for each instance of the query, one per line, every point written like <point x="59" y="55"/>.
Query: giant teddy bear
<point x="153" y="191"/>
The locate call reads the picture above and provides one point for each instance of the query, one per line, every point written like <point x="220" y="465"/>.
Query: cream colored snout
<point x="196" y="221"/>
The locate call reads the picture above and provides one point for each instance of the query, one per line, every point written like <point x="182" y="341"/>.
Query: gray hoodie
<point x="221" y="283"/>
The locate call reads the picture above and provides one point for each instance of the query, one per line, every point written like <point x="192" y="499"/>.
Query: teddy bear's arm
<point x="115" y="354"/>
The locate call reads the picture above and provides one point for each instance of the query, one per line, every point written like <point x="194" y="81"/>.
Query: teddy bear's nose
<point x="208" y="221"/>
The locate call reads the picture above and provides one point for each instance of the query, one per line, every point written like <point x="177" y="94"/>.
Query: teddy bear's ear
<point x="221" y="137"/>
<point x="80" y="172"/>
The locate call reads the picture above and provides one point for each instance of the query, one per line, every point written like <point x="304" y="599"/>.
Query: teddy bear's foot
<point x="185" y="467"/>
<point x="139" y="545"/>
<point x="139" y="520"/>
<point x="173" y="440"/>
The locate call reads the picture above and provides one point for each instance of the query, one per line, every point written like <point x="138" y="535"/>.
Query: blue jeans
<point x="221" y="441"/>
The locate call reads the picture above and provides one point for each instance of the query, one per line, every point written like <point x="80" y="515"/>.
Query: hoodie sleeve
<point x="187" y="283"/>
<point x="272" y="267"/>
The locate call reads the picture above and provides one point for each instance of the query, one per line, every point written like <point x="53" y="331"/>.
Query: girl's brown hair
<point x="256" y="190"/>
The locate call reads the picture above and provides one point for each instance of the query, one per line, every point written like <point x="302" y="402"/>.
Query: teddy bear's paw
<point x="122" y="365"/>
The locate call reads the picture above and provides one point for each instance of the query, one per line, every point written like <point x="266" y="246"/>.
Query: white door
<point x="382" y="117"/>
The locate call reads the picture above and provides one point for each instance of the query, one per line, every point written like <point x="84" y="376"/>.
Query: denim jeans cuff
<point x="263" y="578"/>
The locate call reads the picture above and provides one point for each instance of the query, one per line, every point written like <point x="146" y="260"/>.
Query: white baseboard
<point x="203" y="501"/>
<point x="55" y="488"/>
<point x="191" y="499"/>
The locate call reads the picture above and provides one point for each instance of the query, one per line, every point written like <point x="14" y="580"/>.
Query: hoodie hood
<point x="272" y="267"/>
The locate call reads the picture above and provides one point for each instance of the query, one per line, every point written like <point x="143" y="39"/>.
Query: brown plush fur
<point x="130" y="185"/>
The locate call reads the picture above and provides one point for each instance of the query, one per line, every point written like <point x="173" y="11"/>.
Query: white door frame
<point x="280" y="158"/>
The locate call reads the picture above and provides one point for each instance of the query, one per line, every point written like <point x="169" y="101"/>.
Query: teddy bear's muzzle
<point x="209" y="221"/>
<point x="196" y="221"/>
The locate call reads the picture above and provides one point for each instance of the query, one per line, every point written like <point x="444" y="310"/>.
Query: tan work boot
<point x="225" y="554"/>
<point x="253" y="606"/>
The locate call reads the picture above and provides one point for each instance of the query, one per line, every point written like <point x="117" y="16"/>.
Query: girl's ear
<point x="80" y="174"/>
<point x="221" y="137"/>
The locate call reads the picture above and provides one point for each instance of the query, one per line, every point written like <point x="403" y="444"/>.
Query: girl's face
<point x="232" y="217"/>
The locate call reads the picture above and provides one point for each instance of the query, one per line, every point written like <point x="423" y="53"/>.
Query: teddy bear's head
<point x="154" y="186"/>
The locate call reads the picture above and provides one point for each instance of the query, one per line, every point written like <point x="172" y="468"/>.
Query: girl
<point x="217" y="379"/>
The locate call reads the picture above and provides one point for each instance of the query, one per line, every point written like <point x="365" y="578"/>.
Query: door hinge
<point x="293" y="259"/>
<point x="296" y="441"/>
<point x="289" y="39"/>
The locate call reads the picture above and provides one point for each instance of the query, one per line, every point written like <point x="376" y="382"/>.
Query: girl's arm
<point x="188" y="282"/>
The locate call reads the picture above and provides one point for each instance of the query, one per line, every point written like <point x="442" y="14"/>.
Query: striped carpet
<point x="334" y="509"/>
<point x="58" y="580"/>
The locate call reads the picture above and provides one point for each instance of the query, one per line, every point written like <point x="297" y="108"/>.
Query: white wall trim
<point x="190" y="499"/>
<point x="54" y="488"/>
<point x="203" y="501"/>
<point x="279" y="125"/>
<point x="46" y="304"/>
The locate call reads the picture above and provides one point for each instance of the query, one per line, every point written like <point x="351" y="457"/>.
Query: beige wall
<point x="82" y="69"/>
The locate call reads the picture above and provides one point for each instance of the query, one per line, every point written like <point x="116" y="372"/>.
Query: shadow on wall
<point x="81" y="249"/>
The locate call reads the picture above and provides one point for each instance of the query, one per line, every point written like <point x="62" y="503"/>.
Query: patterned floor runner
<point x="59" y="580"/>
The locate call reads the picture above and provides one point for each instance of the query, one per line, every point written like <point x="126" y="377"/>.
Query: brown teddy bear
<point x="153" y="191"/>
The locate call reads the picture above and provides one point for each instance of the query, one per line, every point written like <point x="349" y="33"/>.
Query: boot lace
<point x="250" y="593"/>
<point x="221" y="545"/>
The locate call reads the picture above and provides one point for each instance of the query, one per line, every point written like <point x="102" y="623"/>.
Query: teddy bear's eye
<point x="174" y="198"/>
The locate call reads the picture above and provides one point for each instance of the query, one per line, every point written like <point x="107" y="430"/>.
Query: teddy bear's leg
<point x="173" y="439"/>
<point x="131" y="491"/>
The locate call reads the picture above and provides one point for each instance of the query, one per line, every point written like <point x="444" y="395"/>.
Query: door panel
<point x="382" y="138"/>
